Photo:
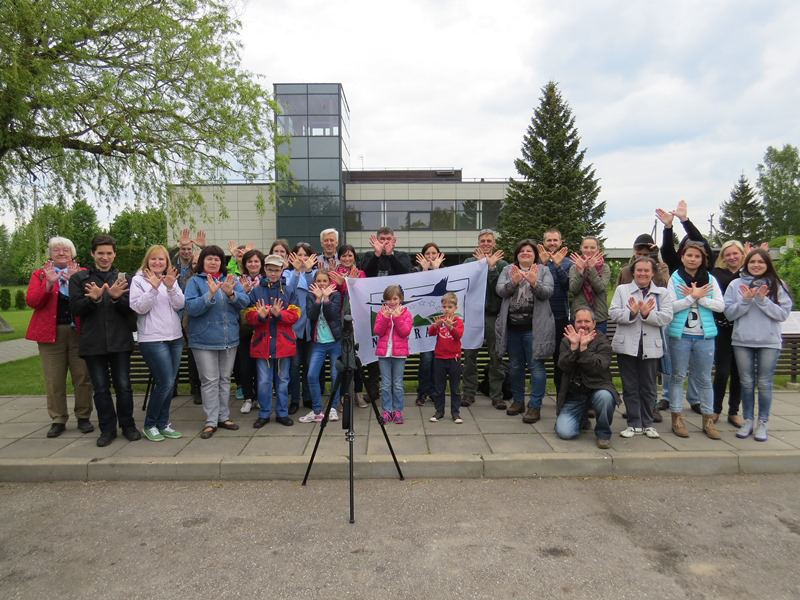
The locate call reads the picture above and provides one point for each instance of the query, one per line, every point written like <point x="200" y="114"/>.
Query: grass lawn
<point x="18" y="319"/>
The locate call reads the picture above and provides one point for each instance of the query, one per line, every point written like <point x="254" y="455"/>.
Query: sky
<point x="672" y="100"/>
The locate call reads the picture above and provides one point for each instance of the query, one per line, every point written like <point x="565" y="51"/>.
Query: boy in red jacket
<point x="448" y="330"/>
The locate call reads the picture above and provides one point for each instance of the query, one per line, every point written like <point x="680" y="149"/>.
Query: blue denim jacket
<point x="213" y="324"/>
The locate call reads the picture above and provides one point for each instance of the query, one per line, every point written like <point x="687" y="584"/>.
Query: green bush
<point x="19" y="300"/>
<point x="129" y="258"/>
<point x="5" y="299"/>
<point x="788" y="267"/>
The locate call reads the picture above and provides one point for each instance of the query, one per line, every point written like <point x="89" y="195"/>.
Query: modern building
<point x="421" y="205"/>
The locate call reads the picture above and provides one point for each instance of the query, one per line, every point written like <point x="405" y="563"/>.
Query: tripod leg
<point x="336" y="386"/>
<point x="386" y="437"/>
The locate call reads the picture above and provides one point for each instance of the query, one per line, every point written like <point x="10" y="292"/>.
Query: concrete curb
<point x="461" y="466"/>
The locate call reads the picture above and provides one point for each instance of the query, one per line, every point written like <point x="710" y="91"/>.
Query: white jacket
<point x="632" y="329"/>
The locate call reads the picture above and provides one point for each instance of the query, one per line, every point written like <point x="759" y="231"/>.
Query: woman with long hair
<point x="757" y="303"/>
<point x="589" y="277"/>
<point x="726" y="269"/>
<point x="156" y="297"/>
<point x="429" y="258"/>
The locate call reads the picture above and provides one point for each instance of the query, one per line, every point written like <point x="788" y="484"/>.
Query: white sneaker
<point x="246" y="407"/>
<point x="745" y="430"/>
<point x="760" y="434"/>
<point x="631" y="431"/>
<point x="651" y="432"/>
<point x="334" y="416"/>
<point x="311" y="417"/>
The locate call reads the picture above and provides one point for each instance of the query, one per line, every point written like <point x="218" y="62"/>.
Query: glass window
<point x="419" y="220"/>
<point x="293" y="104"/>
<point x="290" y="88"/>
<point x="324" y="188"/>
<point x="293" y="125"/>
<point x="323" y="168"/>
<point x="324" y="205"/>
<point x="323" y="126"/>
<point x="397" y="219"/>
<point x="299" y="167"/>
<point x="362" y="221"/>
<point x="321" y="147"/>
<point x="490" y="213"/>
<point x="360" y="205"/>
<point x="323" y="88"/>
<point x="467" y="214"/>
<point x="443" y="218"/>
<point x="324" y="104"/>
<point x="296" y="148"/>
<point x="293" y="206"/>
<point x="443" y="204"/>
<point x="422" y="205"/>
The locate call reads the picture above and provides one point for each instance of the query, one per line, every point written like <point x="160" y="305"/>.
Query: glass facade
<point x="317" y="118"/>
<point x="402" y="215"/>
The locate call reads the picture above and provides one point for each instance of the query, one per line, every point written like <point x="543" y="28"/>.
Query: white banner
<point x="422" y="296"/>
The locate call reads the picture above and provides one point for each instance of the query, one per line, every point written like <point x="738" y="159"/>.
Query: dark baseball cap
<point x="643" y="240"/>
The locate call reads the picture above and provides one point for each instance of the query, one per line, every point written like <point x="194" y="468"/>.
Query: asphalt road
<point x="679" y="537"/>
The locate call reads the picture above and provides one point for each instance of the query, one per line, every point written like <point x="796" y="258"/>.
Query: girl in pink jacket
<point x="392" y="326"/>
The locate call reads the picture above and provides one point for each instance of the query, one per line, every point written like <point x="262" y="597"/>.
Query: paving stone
<point x="87" y="448"/>
<point x="161" y="468"/>
<point x="547" y="465"/>
<point x="19" y="430"/>
<point x="216" y="446"/>
<point x="27" y="448"/>
<point x="447" y="427"/>
<point x="503" y="426"/>
<point x="515" y="443"/>
<point x="275" y="446"/>
<point x="403" y="445"/>
<point x="674" y="463"/>
<point x="43" y="469"/>
<point x="458" y="444"/>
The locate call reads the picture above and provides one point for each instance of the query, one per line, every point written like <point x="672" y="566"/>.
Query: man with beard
<point x="585" y="360"/>
<point x="554" y="256"/>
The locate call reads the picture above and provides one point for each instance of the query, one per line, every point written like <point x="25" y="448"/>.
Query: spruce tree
<point x="555" y="189"/>
<point x="742" y="216"/>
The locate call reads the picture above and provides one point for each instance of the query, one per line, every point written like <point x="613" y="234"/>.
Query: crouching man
<point x="585" y="360"/>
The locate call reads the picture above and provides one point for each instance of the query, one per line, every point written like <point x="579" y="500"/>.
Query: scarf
<point x="700" y="277"/>
<point x="63" y="282"/>
<point x="588" y="292"/>
<point x="522" y="300"/>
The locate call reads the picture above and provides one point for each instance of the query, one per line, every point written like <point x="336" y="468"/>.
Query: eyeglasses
<point x="273" y="270"/>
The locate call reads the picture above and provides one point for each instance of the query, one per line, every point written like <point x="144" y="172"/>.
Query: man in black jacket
<point x="381" y="261"/>
<point x="99" y="295"/>
<point x="585" y="362"/>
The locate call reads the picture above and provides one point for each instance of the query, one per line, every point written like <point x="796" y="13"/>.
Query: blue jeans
<point x="573" y="413"/>
<point x="520" y="352"/>
<point x="119" y="364"/>
<point x="332" y="350"/>
<point x="695" y="355"/>
<point x="756" y="367"/>
<point x="425" y="384"/>
<point x="392" y="395"/>
<point x="299" y="372"/>
<point x="163" y="359"/>
<point x="277" y="368"/>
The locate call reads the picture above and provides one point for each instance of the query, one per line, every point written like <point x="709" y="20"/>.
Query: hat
<point x="644" y="239"/>
<point x="276" y="260"/>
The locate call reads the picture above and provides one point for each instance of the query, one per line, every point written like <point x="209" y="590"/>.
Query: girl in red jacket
<point x="392" y="326"/>
<point x="448" y="330"/>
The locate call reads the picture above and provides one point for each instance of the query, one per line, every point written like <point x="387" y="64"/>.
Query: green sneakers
<point x="152" y="434"/>
<point x="169" y="432"/>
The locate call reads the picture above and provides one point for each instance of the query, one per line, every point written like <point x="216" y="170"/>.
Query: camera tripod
<point x="346" y="366"/>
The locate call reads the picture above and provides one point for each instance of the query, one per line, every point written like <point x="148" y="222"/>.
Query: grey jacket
<point x="631" y="329"/>
<point x="544" y="326"/>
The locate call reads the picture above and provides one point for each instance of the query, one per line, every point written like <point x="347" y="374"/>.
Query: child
<point x="448" y="330"/>
<point x="323" y="309"/>
<point x="392" y="326"/>
<point x="272" y="313"/>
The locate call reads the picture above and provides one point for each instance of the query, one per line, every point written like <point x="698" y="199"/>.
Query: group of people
<point x="269" y="321"/>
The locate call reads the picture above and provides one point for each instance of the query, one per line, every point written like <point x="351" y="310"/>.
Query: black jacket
<point x="397" y="263"/>
<point x="105" y="325"/>
<point x="332" y="309"/>
<point x="594" y="365"/>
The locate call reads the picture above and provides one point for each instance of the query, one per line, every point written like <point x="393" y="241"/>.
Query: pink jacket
<point x="398" y="327"/>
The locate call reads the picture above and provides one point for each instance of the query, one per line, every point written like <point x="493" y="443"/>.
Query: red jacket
<point x="448" y="343"/>
<point x="273" y="337"/>
<point x="399" y="328"/>
<point x="42" y="327"/>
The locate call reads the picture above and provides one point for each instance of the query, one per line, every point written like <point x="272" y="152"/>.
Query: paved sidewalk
<point x="488" y="444"/>
<point x="17" y="349"/>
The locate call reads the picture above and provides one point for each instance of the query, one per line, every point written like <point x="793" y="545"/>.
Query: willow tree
<point x="124" y="99"/>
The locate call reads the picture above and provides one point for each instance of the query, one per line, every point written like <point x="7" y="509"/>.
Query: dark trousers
<point x="119" y="366"/>
<point x="561" y="323"/>
<point x="245" y="368"/>
<point x="425" y="383"/>
<point x="444" y="370"/>
<point x="373" y="383"/>
<point x="725" y="367"/>
<point x="638" y="388"/>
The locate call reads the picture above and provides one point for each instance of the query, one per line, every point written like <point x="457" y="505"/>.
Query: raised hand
<point x="295" y="261"/>
<point x="95" y="291"/>
<point x="544" y="255"/>
<point x="170" y="277"/>
<point x="478" y="254"/>
<point x="591" y="260"/>
<point x="337" y="278"/>
<point x="531" y="276"/>
<point x="199" y="238"/>
<point x="493" y="258"/>
<point x="448" y="321"/>
<point x="376" y="244"/>
<point x="559" y="256"/>
<point x="232" y="247"/>
<point x="634" y="306"/>
<point x="311" y="263"/>
<point x="761" y="292"/>
<point x="353" y="272"/>
<point x="50" y="275"/>
<point x="277" y="307"/>
<point x="746" y="292"/>
<point x="249" y="246"/>
<point x="228" y="284"/>
<point x="262" y="308"/>
<point x="388" y="245"/>
<point x="573" y="336"/>
<point x="213" y="286"/>
<point x="397" y="311"/>
<point x="184" y="237"/>
<point x="681" y="211"/>
<point x="579" y="261"/>
<point x="700" y="292"/>
<point x="328" y="290"/>
<point x="119" y="287"/>
<point x="423" y="262"/>
<point x="151" y="278"/>
<point x="72" y="268"/>
<point x="585" y="339"/>
<point x="747" y="248"/>
<point x="316" y="290"/>
<point x="245" y="283"/>
<point x="665" y="217"/>
<point x="516" y="275"/>
<point x="646" y="307"/>
<point x="385" y="310"/>
<point x="437" y="262"/>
